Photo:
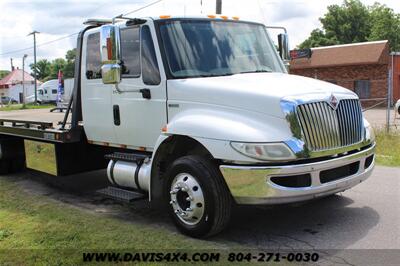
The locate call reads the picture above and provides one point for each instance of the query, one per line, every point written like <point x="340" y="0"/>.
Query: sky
<point x="56" y="19"/>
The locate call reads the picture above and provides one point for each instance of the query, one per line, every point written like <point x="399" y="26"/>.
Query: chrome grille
<point x="324" y="128"/>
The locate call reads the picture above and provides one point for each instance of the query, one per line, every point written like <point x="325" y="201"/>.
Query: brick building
<point x="361" y="67"/>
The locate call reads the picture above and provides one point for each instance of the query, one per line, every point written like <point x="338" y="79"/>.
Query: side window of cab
<point x="138" y="55"/>
<point x="150" y="70"/>
<point x="93" y="60"/>
<point x="130" y="52"/>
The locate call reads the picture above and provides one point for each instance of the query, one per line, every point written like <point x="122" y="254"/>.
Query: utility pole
<point x="34" y="60"/>
<point x="219" y="7"/>
<point x="12" y="66"/>
<point x="23" y="80"/>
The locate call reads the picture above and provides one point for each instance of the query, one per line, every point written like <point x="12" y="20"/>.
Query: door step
<point x="121" y="194"/>
<point x="127" y="157"/>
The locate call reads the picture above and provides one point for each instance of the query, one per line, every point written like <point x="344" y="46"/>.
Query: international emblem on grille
<point x="333" y="102"/>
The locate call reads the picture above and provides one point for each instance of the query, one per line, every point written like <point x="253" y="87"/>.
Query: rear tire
<point x="200" y="203"/>
<point x="11" y="166"/>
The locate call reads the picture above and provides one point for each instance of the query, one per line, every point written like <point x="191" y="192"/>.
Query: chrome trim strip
<point x="252" y="185"/>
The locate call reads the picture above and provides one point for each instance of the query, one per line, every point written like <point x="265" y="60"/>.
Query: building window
<point x="93" y="61"/>
<point x="130" y="52"/>
<point x="362" y="88"/>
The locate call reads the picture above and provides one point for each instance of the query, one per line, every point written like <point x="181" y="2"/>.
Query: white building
<point x="11" y="85"/>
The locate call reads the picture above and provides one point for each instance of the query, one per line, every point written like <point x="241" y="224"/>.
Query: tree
<point x="42" y="69"/>
<point x="56" y="65"/>
<point x="385" y="25"/>
<point x="69" y="67"/>
<point x="318" y="38"/>
<point x="354" y="22"/>
<point x="348" y="23"/>
<point x="4" y="73"/>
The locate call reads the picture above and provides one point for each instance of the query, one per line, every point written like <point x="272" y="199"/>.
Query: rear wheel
<point x="199" y="201"/>
<point x="11" y="166"/>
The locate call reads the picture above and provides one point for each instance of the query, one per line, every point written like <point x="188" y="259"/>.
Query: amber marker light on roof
<point x="165" y="16"/>
<point x="224" y="17"/>
<point x="235" y="18"/>
<point x="211" y="16"/>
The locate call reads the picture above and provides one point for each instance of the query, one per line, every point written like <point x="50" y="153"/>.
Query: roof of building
<point x="15" y="77"/>
<point x="365" y="53"/>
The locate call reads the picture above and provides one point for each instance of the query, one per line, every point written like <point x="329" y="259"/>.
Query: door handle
<point x="117" y="117"/>
<point x="146" y="93"/>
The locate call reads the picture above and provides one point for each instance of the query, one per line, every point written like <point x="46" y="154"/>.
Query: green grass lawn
<point x="40" y="231"/>
<point x="13" y="107"/>
<point x="388" y="147"/>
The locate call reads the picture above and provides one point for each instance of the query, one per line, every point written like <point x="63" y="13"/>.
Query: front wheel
<point x="199" y="201"/>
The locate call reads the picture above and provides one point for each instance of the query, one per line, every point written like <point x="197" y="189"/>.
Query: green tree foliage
<point x="385" y="25"/>
<point x="42" y="69"/>
<point x="49" y="70"/>
<point x="70" y="64"/>
<point x="4" y="73"/>
<point x="354" y="22"/>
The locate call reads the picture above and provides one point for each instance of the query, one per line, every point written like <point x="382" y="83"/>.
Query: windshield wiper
<point x="215" y="75"/>
<point x="256" y="71"/>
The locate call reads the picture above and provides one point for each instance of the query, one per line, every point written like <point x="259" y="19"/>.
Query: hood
<point x="259" y="92"/>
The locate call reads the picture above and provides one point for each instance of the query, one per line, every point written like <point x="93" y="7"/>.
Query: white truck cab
<point x="202" y="115"/>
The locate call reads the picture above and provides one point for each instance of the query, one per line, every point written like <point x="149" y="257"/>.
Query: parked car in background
<point x="7" y="100"/>
<point x="397" y="107"/>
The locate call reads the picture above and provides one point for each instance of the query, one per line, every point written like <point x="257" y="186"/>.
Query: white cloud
<point x="55" y="19"/>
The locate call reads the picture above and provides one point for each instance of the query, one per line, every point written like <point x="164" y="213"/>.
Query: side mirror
<point x="283" y="44"/>
<point x="110" y="54"/>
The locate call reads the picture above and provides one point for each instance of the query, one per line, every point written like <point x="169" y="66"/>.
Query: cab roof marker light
<point x="235" y="17"/>
<point x="165" y="16"/>
<point x="224" y="17"/>
<point x="211" y="16"/>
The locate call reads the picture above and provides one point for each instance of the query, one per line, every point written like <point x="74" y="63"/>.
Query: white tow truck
<point x="198" y="114"/>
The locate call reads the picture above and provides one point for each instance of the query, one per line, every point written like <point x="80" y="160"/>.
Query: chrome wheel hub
<point x="187" y="199"/>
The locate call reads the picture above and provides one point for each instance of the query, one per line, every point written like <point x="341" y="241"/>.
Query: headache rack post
<point x="75" y="101"/>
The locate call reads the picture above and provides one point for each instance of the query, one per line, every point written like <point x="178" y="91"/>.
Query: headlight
<point x="265" y="151"/>
<point x="369" y="131"/>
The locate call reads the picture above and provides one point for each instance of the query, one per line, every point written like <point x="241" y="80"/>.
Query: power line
<point x="143" y="7"/>
<point x="39" y="45"/>
<point x="70" y="35"/>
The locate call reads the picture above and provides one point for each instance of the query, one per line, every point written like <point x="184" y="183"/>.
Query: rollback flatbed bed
<point x="56" y="148"/>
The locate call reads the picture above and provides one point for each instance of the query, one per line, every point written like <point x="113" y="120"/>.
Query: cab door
<point x="97" y="114"/>
<point x="139" y="101"/>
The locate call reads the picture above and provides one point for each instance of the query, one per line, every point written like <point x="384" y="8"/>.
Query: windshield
<point x="204" y="48"/>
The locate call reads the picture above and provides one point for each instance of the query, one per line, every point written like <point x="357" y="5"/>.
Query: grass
<point x="388" y="147"/>
<point x="14" y="107"/>
<point x="35" y="230"/>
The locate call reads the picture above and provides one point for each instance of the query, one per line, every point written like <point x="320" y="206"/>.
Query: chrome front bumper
<point x="253" y="185"/>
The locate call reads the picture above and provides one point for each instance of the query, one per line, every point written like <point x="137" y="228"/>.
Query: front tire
<point x="199" y="201"/>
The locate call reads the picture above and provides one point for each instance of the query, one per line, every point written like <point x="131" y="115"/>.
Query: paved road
<point x="365" y="217"/>
<point x="33" y="115"/>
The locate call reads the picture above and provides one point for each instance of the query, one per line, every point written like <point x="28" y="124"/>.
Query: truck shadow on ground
<point x="329" y="223"/>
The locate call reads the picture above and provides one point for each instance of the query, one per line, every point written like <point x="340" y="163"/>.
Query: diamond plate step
<point x="121" y="194"/>
<point x="128" y="157"/>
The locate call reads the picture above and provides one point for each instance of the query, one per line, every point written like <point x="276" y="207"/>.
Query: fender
<point x="229" y="124"/>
